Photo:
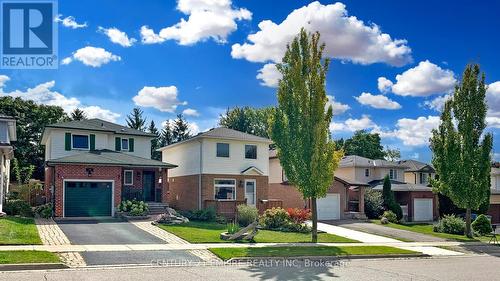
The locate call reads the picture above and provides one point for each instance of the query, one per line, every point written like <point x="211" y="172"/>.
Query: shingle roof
<point x="414" y="165"/>
<point x="96" y="124"/>
<point x="224" y="133"/>
<point x="109" y="157"/>
<point x="359" y="161"/>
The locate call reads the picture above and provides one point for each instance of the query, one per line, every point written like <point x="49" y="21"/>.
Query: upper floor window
<point x="250" y="151"/>
<point x="80" y="141"/>
<point x="128" y="177"/>
<point x="367" y="172"/>
<point x="222" y="149"/>
<point x="393" y="174"/>
<point x="124" y="144"/>
<point x="423" y="178"/>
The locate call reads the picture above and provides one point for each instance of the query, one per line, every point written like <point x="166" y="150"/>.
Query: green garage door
<point x="87" y="199"/>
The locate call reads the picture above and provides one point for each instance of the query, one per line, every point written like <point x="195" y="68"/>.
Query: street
<point x="446" y="268"/>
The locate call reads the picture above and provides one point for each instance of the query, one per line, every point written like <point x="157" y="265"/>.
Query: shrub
<point x="374" y="205"/>
<point x="207" y="214"/>
<point x="247" y="214"/>
<point x="134" y="207"/>
<point x="298" y="216"/>
<point x="482" y="225"/>
<point x="220" y="220"/>
<point x="275" y="218"/>
<point x="18" y="207"/>
<point x="232" y="228"/>
<point x="296" y="227"/>
<point x="390" y="216"/>
<point x="450" y="224"/>
<point x="44" y="211"/>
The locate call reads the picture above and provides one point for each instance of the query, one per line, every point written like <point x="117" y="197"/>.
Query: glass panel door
<point x="250" y="187"/>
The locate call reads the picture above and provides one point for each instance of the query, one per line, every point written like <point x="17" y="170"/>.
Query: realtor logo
<point x="29" y="35"/>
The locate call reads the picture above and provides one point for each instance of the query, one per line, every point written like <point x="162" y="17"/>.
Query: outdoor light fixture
<point x="89" y="171"/>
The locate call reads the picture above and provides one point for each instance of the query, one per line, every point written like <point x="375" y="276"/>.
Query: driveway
<point x="376" y="229"/>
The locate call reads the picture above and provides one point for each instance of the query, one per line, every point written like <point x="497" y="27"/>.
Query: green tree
<point x="166" y="136"/>
<point x="392" y="154"/>
<point x="299" y="125"/>
<point x="180" y="130"/>
<point x="155" y="142"/>
<point x="254" y="121"/>
<point x="78" y="114"/>
<point x="364" y="144"/>
<point x="461" y="152"/>
<point x="135" y="120"/>
<point x="389" y="200"/>
<point x="31" y="119"/>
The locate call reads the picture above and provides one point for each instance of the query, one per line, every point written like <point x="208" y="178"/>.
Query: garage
<point x="329" y="207"/>
<point x="422" y="209"/>
<point x="88" y="198"/>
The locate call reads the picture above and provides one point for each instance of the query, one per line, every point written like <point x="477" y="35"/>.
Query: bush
<point x="390" y="216"/>
<point x="232" y="228"/>
<point x="18" y="207"/>
<point x="482" y="225"/>
<point x="44" y="211"/>
<point x="207" y="214"/>
<point x="450" y="224"/>
<point x="220" y="220"/>
<point x="374" y="204"/>
<point x="134" y="207"/>
<point x="275" y="218"/>
<point x="296" y="227"/>
<point x="298" y="216"/>
<point x="247" y="214"/>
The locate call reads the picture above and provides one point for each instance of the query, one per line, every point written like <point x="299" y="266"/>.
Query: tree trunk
<point x="314" y="211"/>
<point x="468" y="229"/>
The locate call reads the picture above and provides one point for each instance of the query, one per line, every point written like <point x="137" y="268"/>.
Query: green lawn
<point x="228" y="253"/>
<point x="18" y="231"/>
<point x="205" y="232"/>
<point x="10" y="257"/>
<point x="426" y="228"/>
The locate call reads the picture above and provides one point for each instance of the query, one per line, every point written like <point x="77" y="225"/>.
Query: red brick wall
<point x="183" y="192"/>
<point x="49" y="173"/>
<point x="290" y="196"/>
<point x="494" y="212"/>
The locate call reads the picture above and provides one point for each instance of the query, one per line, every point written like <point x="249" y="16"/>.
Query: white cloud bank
<point x="208" y="19"/>
<point x="91" y="56"/>
<point x="162" y="98"/>
<point x="337" y="107"/>
<point x="117" y="36"/>
<point x="377" y="101"/>
<point x="190" y="112"/>
<point x="70" y="22"/>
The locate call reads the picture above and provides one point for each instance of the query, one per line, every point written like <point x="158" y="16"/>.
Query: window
<point x="222" y="149"/>
<point x="250" y="151"/>
<point x="80" y="141"/>
<point x="128" y="177"/>
<point x="225" y="189"/>
<point x="423" y="178"/>
<point x="393" y="174"/>
<point x="124" y="144"/>
<point x="367" y="172"/>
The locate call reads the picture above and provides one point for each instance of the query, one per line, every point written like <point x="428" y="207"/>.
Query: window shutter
<point x="131" y="145"/>
<point x="67" y="141"/>
<point x="118" y="144"/>
<point x="92" y="142"/>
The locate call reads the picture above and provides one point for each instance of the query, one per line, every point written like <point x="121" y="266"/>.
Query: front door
<point x="250" y="187"/>
<point x="148" y="186"/>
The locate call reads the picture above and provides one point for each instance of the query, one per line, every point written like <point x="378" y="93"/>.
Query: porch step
<point x="156" y="208"/>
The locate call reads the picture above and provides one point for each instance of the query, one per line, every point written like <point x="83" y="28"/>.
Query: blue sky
<point x="197" y="57"/>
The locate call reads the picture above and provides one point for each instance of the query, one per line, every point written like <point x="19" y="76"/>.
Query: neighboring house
<point x="7" y="136"/>
<point x="335" y="205"/>
<point x="418" y="172"/>
<point x="92" y="165"/>
<point x="494" y="210"/>
<point x="417" y="200"/>
<point x="221" y="168"/>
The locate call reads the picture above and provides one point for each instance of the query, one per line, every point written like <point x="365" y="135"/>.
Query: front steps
<point x="156" y="208"/>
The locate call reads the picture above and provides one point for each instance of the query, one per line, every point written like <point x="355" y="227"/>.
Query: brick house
<point x="221" y="168"/>
<point x="7" y="136"/>
<point x="92" y="165"/>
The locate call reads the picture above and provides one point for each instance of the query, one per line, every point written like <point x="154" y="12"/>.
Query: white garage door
<point x="422" y="209"/>
<point x="329" y="207"/>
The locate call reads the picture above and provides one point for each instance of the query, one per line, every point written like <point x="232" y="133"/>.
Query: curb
<point x="32" y="266"/>
<point x="346" y="257"/>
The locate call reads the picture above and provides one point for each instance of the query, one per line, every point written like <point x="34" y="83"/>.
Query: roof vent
<point x="123" y="129"/>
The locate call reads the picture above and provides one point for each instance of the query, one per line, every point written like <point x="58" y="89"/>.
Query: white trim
<point x="226" y="185"/>
<point x="88" y="141"/>
<point x="254" y="190"/>
<point x="89" y="180"/>
<point x="124" y="183"/>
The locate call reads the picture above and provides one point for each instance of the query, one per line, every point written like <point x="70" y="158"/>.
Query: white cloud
<point x="117" y="36"/>
<point x="190" y="112"/>
<point x="193" y="128"/>
<point x="43" y="94"/>
<point x="384" y="85"/>
<point x="269" y="75"/>
<point x="92" y="56"/>
<point x="162" y="98"/>
<point x="413" y="132"/>
<point x="3" y="79"/>
<point x="337" y="107"/>
<point x="377" y="101"/>
<point x="346" y="37"/>
<point x="424" y="80"/>
<point x="437" y="104"/>
<point x="208" y="19"/>
<point x="352" y="125"/>
<point x="70" y="22"/>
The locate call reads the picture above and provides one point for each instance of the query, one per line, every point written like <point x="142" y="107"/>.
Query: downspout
<point x="200" y="174"/>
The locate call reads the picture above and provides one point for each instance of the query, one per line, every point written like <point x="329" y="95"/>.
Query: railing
<point x="269" y="204"/>
<point x="226" y="208"/>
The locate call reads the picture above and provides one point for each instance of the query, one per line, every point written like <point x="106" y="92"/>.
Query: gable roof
<point x="110" y="158"/>
<point x="223" y="133"/>
<point x="414" y="165"/>
<point x="359" y="161"/>
<point x="96" y="124"/>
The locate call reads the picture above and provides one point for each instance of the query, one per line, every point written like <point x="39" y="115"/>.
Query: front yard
<point x="209" y="232"/>
<point x="310" y="251"/>
<point x="18" y="231"/>
<point x="15" y="257"/>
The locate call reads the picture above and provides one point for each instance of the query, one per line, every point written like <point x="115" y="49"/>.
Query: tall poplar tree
<point x="461" y="152"/>
<point x="300" y="124"/>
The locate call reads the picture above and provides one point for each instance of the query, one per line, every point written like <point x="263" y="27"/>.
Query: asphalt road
<point x="467" y="268"/>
